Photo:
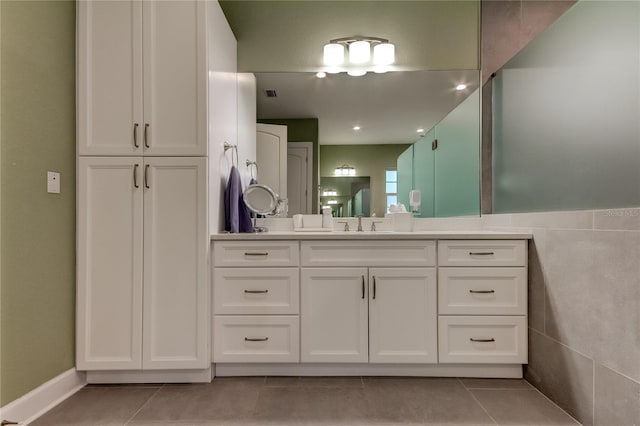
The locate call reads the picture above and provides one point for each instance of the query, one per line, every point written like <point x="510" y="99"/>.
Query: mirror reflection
<point x="318" y="135"/>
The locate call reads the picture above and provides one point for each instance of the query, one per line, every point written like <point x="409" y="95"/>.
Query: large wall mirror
<point x="360" y="144"/>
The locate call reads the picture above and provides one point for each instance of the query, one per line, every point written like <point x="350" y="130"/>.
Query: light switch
<point x="53" y="182"/>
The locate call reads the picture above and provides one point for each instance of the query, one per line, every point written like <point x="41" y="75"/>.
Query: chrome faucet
<point x="359" y="222"/>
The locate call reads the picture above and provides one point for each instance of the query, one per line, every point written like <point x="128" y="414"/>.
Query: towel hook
<point x="234" y="148"/>
<point x="250" y="163"/>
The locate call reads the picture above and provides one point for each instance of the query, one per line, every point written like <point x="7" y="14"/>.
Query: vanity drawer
<point x="482" y="291"/>
<point x="256" y="339"/>
<point x="482" y="340"/>
<point x="482" y="253"/>
<point x="368" y="253"/>
<point x="255" y="253"/>
<point x="256" y="291"/>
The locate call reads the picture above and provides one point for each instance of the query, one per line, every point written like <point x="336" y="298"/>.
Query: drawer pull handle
<point x="483" y="340"/>
<point x="256" y="291"/>
<point x="256" y="339"/>
<point x="481" y="253"/>
<point x="482" y="291"/>
<point x="256" y="254"/>
<point x="363" y="286"/>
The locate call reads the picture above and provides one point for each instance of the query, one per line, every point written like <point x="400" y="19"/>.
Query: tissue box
<point x="402" y="222"/>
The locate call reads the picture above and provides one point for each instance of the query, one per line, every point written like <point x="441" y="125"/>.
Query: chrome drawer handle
<point x="256" y="339"/>
<point x="481" y="253"/>
<point x="482" y="291"/>
<point x="256" y="291"/>
<point x="256" y="254"/>
<point x="482" y="340"/>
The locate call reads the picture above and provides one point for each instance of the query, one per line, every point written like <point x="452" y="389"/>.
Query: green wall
<point x="369" y="160"/>
<point x="303" y="130"/>
<point x="38" y="229"/>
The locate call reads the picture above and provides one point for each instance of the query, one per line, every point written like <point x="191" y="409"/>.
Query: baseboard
<point x="511" y="371"/>
<point x="150" y="376"/>
<point x="34" y="404"/>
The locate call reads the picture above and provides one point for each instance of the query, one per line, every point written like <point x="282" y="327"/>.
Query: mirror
<point x="282" y="44"/>
<point x="261" y="200"/>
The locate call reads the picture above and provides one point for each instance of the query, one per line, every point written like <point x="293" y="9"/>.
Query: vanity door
<point x="403" y="315"/>
<point x="334" y="315"/>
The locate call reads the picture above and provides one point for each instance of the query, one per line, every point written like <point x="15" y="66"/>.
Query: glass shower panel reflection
<point x="566" y="114"/>
<point x="423" y="172"/>
<point x="457" y="160"/>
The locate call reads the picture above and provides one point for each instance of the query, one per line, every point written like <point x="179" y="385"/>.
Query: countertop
<point x="379" y="235"/>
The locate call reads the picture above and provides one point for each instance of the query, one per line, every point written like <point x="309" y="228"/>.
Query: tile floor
<point x="312" y="401"/>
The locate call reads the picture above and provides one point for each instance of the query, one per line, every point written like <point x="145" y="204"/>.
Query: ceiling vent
<point x="271" y="93"/>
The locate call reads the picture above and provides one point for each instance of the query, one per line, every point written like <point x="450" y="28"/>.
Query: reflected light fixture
<point x="461" y="87"/>
<point x="420" y="130"/>
<point x="332" y="202"/>
<point x="356" y="128"/>
<point x="321" y="74"/>
<point x="356" y="73"/>
<point x="330" y="193"/>
<point x="344" y="170"/>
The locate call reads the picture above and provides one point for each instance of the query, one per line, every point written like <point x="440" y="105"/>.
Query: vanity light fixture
<point x="460" y="87"/>
<point x="321" y="74"/>
<point x="359" y="52"/>
<point x="344" y="170"/>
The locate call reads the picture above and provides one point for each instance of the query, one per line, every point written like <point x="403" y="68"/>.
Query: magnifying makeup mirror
<point x="261" y="199"/>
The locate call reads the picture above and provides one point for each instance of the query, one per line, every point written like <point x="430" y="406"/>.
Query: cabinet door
<point x="175" y="68"/>
<point x="109" y="291"/>
<point x="176" y="300"/>
<point x="109" y="77"/>
<point x="402" y="315"/>
<point x="334" y="315"/>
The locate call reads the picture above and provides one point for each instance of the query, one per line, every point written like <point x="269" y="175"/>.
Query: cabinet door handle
<point x="482" y="291"/>
<point x="256" y="291"/>
<point x="135" y="135"/>
<point x="256" y="339"/>
<point x="135" y="176"/>
<point x="483" y="340"/>
<point x="146" y="136"/>
<point x="374" y="287"/>
<point x="481" y="253"/>
<point x="256" y="254"/>
<point x="363" y="289"/>
<point x="146" y="177"/>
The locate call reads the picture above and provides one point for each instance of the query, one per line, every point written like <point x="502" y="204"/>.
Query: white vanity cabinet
<point x="142" y="264"/>
<point x="142" y="77"/>
<point x="482" y="297"/>
<point x="368" y="314"/>
<point x="256" y="288"/>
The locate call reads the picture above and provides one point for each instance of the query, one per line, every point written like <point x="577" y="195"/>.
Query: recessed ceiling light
<point x="356" y="127"/>
<point x="420" y="130"/>
<point x="461" y="86"/>
<point x="321" y="74"/>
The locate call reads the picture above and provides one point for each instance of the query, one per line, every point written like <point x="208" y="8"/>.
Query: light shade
<point x="345" y="170"/>
<point x="359" y="52"/>
<point x="384" y="54"/>
<point x="333" y="54"/>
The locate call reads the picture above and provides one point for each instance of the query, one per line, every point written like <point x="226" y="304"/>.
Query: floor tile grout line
<point x="481" y="406"/>
<point x="145" y="403"/>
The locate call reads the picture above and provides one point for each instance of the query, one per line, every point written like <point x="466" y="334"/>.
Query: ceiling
<point x="281" y="42"/>
<point x="389" y="108"/>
